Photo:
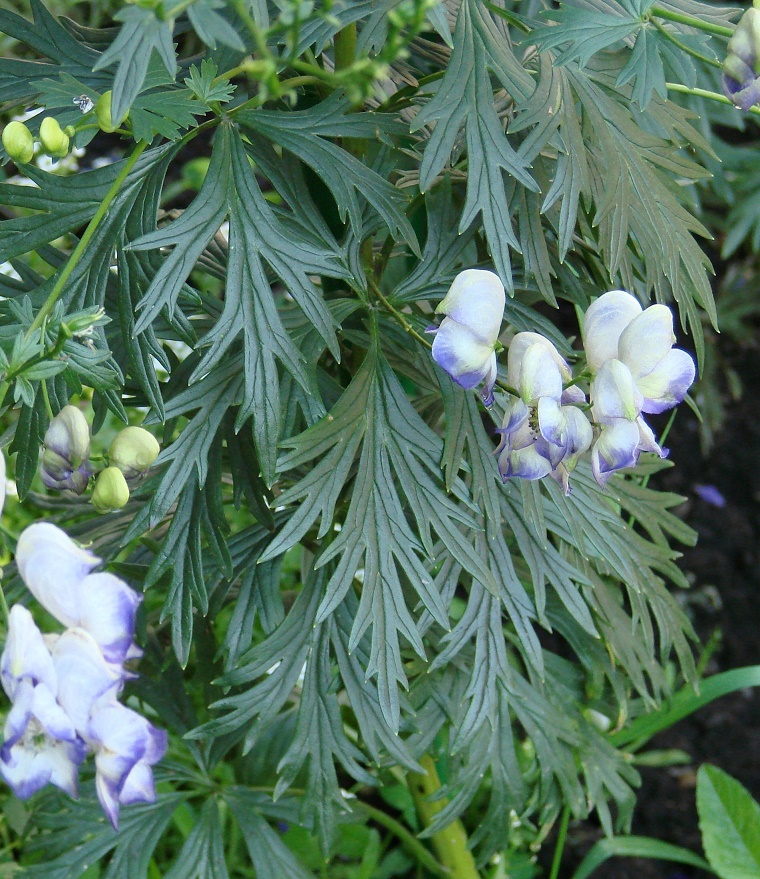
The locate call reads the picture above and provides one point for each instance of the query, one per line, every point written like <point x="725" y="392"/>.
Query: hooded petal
<point x="83" y="675"/>
<point x="580" y="435"/>
<point x="107" y="611"/>
<point x="616" y="448"/>
<point x="518" y="348"/>
<point x="458" y="351"/>
<point x="667" y="384"/>
<point x="476" y="301"/>
<point x="53" y="566"/>
<point x="526" y="463"/>
<point x="25" y="654"/>
<point x="614" y="393"/>
<point x="551" y="421"/>
<point x="603" y="324"/>
<point x="540" y="375"/>
<point x="647" y="339"/>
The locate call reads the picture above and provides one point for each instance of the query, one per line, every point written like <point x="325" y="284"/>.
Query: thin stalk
<point x="76" y="255"/>
<point x="407" y="839"/>
<point x="703" y="93"/>
<point x="684" y="48"/>
<point x="692" y="21"/>
<point x="407" y="327"/>
<point x="450" y="844"/>
<point x="560" y="846"/>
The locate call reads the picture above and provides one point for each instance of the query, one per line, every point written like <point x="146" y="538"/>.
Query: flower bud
<point x="103" y="113"/>
<point x="742" y="64"/>
<point x="111" y="491"/>
<point x="67" y="447"/>
<point x="54" y="140"/>
<point x="18" y="142"/>
<point x="133" y="451"/>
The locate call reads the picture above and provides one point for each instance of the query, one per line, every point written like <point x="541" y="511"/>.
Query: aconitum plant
<point x="334" y="344"/>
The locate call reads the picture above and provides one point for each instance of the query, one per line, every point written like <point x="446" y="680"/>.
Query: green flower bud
<point x="133" y="451"/>
<point x="18" y="142"/>
<point x="53" y="139"/>
<point x="103" y="113"/>
<point x="111" y="491"/>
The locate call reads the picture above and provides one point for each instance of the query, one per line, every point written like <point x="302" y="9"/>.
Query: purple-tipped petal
<point x="52" y="566"/>
<point x="646" y="340"/>
<point x="462" y="355"/>
<point x="603" y="324"/>
<point x="647" y="441"/>
<point x="667" y="384"/>
<point x="580" y="435"/>
<point x="551" y="421"/>
<point x="107" y="611"/>
<point x="573" y="394"/>
<point x="51" y="716"/>
<point x="525" y="463"/>
<point x="139" y="786"/>
<point x="25" y="654"/>
<point x="476" y="301"/>
<point x="614" y="393"/>
<point x="616" y="449"/>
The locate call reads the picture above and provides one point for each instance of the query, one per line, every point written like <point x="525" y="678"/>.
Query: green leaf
<point x="211" y="26"/>
<point x="587" y="31"/>
<point x="636" y="847"/>
<point x="465" y="98"/>
<point x="646" y="68"/>
<point x="141" y="32"/>
<point x="202" y="855"/>
<point x="304" y="132"/>
<point x="729" y="819"/>
<point x="201" y="83"/>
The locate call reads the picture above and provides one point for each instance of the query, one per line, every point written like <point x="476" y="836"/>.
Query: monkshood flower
<point x="41" y="742"/>
<point x="67" y="447"/>
<point x="635" y="370"/>
<point x="741" y="68"/>
<point x="126" y="746"/>
<point x="465" y="342"/>
<point x="543" y="433"/>
<point x="58" y="574"/>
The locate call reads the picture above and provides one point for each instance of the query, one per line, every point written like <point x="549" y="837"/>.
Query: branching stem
<point x="684" y="48"/>
<point x="692" y="21"/>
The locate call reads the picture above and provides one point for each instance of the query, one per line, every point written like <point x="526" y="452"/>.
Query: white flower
<point x="465" y="342"/>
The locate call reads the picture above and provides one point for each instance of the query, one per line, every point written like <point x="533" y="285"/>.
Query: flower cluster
<point x="64" y="688"/>
<point x="741" y="68"/>
<point x="633" y="367"/>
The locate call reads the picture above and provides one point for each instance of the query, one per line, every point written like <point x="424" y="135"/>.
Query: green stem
<point x="450" y="844"/>
<point x="407" y="839"/>
<point x="6" y="614"/>
<point x="692" y="21"/>
<point x="711" y="96"/>
<point x="560" y="846"/>
<point x="684" y="48"/>
<point x="76" y="255"/>
<point x="345" y="47"/>
<point x="408" y="328"/>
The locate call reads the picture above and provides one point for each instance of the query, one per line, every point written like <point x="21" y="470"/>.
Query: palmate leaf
<point x="257" y="239"/>
<point x="398" y="457"/>
<point x="202" y="855"/>
<point x="587" y="32"/>
<point x="465" y="98"/>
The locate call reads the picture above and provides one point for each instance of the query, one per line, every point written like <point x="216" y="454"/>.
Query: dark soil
<point x="724" y="568"/>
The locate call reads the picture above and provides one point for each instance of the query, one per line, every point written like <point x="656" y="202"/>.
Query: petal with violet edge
<point x="614" y="393"/>
<point x="461" y="354"/>
<point x="646" y="340"/>
<point x="476" y="301"/>
<point x="667" y="384"/>
<point x="25" y="654"/>
<point x="603" y="324"/>
<point x="52" y="566"/>
<point x="551" y="421"/>
<point x="580" y="435"/>
<point x="647" y="441"/>
<point x="526" y="463"/>
<point x="616" y="448"/>
<point x="107" y="611"/>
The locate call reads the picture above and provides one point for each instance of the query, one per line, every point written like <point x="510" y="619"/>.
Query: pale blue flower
<point x="741" y="82"/>
<point x="126" y="746"/>
<point x="57" y="573"/>
<point x="465" y="342"/>
<point x="543" y="433"/>
<point x="41" y="744"/>
<point x="67" y="447"/>
<point x="636" y="370"/>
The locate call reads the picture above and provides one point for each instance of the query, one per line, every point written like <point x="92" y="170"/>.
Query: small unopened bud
<point x="103" y="113"/>
<point x="67" y="447"/>
<point x="133" y="451"/>
<point x="54" y="140"/>
<point x="741" y="68"/>
<point x="18" y="142"/>
<point x="111" y="491"/>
